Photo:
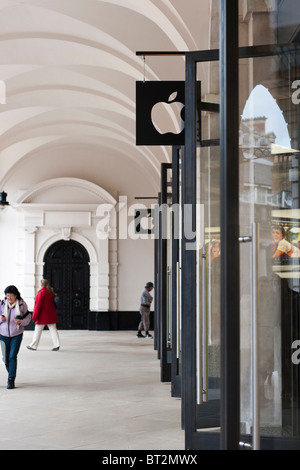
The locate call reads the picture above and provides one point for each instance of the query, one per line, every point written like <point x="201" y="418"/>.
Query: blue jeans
<point x="10" y="349"/>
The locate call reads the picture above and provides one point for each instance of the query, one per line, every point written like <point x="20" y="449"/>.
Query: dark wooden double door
<point x="67" y="269"/>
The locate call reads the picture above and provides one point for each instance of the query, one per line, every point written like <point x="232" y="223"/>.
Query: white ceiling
<point x="70" y="68"/>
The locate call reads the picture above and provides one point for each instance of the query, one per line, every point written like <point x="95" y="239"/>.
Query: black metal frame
<point x="165" y="359"/>
<point x="229" y="56"/>
<point x="175" y="363"/>
<point x="229" y="210"/>
<point x="158" y="290"/>
<point x="189" y="259"/>
<point x="170" y="365"/>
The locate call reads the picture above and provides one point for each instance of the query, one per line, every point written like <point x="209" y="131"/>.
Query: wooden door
<point x="67" y="269"/>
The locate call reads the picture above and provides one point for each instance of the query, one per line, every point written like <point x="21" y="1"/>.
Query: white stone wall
<point x="118" y="269"/>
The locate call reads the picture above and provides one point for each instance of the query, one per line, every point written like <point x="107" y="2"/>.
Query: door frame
<point x="176" y="313"/>
<point x="165" y="351"/>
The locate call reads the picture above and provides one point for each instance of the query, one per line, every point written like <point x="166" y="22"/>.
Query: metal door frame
<point x="229" y="55"/>
<point x="175" y="362"/>
<point x="157" y="285"/>
<point x="167" y="355"/>
<point x="164" y="350"/>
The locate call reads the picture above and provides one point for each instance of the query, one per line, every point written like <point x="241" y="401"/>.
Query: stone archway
<point x="65" y="209"/>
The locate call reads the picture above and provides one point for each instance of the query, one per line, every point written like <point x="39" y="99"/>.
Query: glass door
<point x="175" y="333"/>
<point x="208" y="254"/>
<point x="269" y="201"/>
<point x="201" y="250"/>
<point x="165" y="272"/>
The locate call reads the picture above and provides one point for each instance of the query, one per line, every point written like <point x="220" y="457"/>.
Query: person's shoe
<point x="148" y="335"/>
<point x="31" y="349"/>
<point x="10" y="384"/>
<point x="139" y="335"/>
<point x="55" y="349"/>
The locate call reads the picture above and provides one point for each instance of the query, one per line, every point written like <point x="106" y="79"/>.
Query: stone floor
<point x="101" y="391"/>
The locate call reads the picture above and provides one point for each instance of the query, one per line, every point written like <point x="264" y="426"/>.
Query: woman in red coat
<point x="44" y="313"/>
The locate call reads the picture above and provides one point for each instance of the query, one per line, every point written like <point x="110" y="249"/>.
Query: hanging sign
<point x="160" y="113"/>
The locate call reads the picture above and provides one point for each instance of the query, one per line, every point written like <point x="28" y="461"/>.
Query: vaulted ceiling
<point x="70" y="68"/>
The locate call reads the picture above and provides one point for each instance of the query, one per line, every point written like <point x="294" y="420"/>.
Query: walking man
<point x="146" y="300"/>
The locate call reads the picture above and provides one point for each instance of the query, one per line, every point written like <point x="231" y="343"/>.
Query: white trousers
<point x="38" y="332"/>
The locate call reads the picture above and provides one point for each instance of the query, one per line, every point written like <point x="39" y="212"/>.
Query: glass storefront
<point x="230" y="334"/>
<point x="269" y="200"/>
<point x="269" y="197"/>
<point x="267" y="171"/>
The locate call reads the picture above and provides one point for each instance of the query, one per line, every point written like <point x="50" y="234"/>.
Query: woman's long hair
<point x="45" y="283"/>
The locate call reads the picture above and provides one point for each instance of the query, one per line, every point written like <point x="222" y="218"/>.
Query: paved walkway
<point x="101" y="391"/>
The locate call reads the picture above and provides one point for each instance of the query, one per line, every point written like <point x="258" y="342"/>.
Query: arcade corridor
<point x="101" y="391"/>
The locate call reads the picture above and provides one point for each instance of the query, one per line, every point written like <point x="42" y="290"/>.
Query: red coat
<point x="44" y="312"/>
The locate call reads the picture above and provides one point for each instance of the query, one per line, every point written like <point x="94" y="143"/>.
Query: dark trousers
<point x="10" y="349"/>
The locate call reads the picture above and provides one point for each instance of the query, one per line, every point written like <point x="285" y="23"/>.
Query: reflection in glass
<point x="269" y="196"/>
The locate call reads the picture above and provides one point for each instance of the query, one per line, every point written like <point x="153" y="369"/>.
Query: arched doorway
<point x="66" y="266"/>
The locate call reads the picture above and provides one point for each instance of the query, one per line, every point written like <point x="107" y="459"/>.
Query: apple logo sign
<point x="168" y="117"/>
<point x="160" y="110"/>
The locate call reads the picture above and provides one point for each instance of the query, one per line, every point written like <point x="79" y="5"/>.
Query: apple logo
<point x="160" y="109"/>
<point x="168" y="117"/>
